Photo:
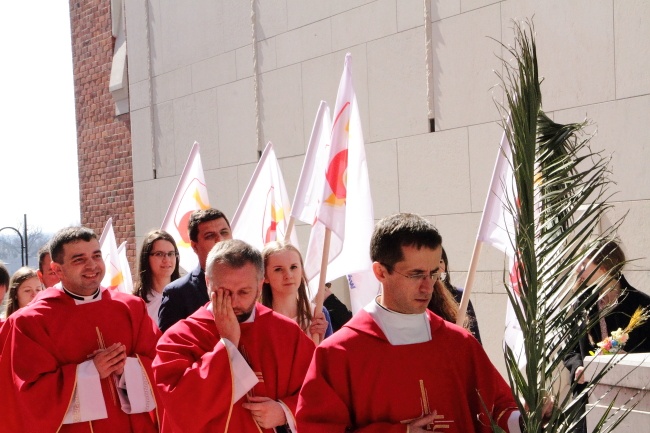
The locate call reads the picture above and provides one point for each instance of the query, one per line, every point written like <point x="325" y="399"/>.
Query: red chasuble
<point x="45" y="342"/>
<point x="359" y="382"/>
<point x="194" y="374"/>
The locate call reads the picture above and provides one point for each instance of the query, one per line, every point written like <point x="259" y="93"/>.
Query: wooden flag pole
<point x="469" y="283"/>
<point x="320" y="295"/>
<point x="287" y="235"/>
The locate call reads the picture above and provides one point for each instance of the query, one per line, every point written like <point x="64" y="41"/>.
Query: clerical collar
<point x="400" y="329"/>
<point x="78" y="299"/>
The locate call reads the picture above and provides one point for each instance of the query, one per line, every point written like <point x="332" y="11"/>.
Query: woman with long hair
<point x="285" y="289"/>
<point x="157" y="267"/>
<point x="23" y="287"/>
<point x="446" y="299"/>
<point x="603" y="269"/>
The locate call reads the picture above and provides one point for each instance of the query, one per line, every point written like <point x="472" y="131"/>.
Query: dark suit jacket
<point x="182" y="297"/>
<point x="339" y="313"/>
<point x="473" y="323"/>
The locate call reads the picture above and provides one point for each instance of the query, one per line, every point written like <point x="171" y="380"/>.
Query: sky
<point x="38" y="139"/>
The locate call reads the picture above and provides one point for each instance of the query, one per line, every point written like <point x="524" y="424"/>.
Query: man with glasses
<point x="397" y="367"/>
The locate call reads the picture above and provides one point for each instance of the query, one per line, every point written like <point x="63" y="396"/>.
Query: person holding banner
<point x="184" y="296"/>
<point x="234" y="365"/>
<point x="397" y="367"/>
<point x="285" y="289"/>
<point x="158" y="265"/>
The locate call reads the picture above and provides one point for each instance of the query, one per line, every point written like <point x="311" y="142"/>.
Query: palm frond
<point x="562" y="189"/>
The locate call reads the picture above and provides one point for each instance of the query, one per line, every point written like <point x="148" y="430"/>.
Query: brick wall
<point x="103" y="140"/>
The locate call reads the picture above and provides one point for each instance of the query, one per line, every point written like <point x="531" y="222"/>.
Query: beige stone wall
<point x="191" y="78"/>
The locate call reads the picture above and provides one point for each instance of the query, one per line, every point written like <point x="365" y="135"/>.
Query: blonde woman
<point x="285" y="289"/>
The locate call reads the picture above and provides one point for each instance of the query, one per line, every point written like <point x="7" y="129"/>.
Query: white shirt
<point x="153" y="305"/>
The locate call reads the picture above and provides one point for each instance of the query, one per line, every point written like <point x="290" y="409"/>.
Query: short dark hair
<point x="4" y="276"/>
<point x="234" y="254"/>
<point x="201" y="216"/>
<point x="42" y="253"/>
<point x="399" y="230"/>
<point x="144" y="283"/>
<point x="66" y="236"/>
<point x="609" y="255"/>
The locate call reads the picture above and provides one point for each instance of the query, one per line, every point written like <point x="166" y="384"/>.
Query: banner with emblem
<point x="114" y="275"/>
<point x="191" y="194"/>
<point x="263" y="212"/>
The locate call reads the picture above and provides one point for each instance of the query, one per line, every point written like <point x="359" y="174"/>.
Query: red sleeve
<point x="10" y="419"/>
<point x="324" y="403"/>
<point x="303" y="352"/>
<point x="181" y="369"/>
<point x="43" y="388"/>
<point x="493" y="391"/>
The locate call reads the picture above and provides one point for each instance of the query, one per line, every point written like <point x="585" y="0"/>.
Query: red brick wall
<point x="103" y="140"/>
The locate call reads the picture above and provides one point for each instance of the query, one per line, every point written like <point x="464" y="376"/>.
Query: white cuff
<point x="244" y="378"/>
<point x="134" y="390"/>
<point x="87" y="402"/>
<point x="513" y="422"/>
<point x="291" y="422"/>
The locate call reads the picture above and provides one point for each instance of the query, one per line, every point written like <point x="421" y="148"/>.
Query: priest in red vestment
<point x="234" y="365"/>
<point x="78" y="358"/>
<point x="397" y="367"/>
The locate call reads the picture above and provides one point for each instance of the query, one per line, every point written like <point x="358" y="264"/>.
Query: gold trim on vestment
<point x="232" y="386"/>
<point x="153" y="393"/>
<point x="74" y="388"/>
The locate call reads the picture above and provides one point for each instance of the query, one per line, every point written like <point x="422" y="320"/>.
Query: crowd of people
<point x="229" y="346"/>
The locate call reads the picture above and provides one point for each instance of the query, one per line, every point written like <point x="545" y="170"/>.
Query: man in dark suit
<point x="184" y="296"/>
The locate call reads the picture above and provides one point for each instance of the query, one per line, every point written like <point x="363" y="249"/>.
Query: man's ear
<point x="193" y="245"/>
<point x="58" y="269"/>
<point x="380" y="271"/>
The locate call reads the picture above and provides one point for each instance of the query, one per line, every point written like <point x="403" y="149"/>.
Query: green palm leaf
<point x="562" y="189"/>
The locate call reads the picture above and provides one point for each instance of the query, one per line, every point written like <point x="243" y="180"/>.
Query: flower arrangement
<point x="615" y="343"/>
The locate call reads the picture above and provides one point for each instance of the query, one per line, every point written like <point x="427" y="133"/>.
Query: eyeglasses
<point x="161" y="254"/>
<point x="435" y="276"/>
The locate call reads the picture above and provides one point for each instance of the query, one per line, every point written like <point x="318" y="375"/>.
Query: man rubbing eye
<point x="234" y="365"/>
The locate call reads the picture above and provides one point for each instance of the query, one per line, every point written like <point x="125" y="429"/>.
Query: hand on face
<point x="224" y="316"/>
<point x="267" y="413"/>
